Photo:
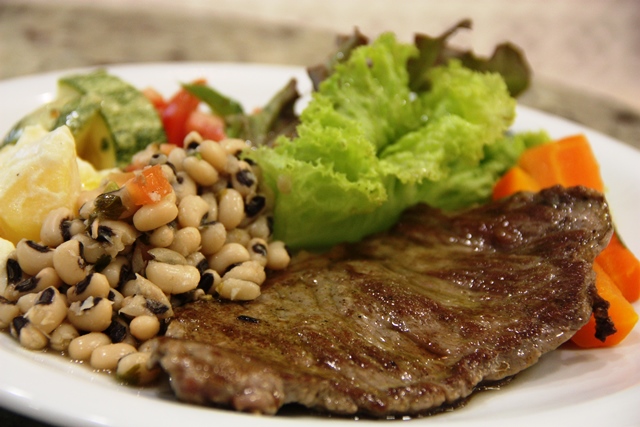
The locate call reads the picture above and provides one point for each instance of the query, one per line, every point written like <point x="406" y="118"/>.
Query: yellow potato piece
<point x="38" y="174"/>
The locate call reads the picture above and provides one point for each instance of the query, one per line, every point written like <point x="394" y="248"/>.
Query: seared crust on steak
<point x="404" y="321"/>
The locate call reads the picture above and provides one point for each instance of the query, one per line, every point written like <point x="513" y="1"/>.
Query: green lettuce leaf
<point x="368" y="146"/>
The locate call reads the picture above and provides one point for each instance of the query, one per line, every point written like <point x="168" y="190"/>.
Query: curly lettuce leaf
<point x="368" y="146"/>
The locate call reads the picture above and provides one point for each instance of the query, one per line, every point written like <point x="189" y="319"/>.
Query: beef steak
<point x="404" y="321"/>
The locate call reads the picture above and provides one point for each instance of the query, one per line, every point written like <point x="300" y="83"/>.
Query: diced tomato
<point x="206" y="124"/>
<point x="175" y="115"/>
<point x="148" y="186"/>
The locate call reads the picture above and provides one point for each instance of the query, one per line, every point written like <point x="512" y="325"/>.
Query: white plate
<point x="568" y="387"/>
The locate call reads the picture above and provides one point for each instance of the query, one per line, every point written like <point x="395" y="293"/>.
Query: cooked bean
<point x="33" y="257"/>
<point x="212" y="237"/>
<point x="254" y="205"/>
<point x="26" y="301"/>
<point x="154" y="299"/>
<point x="162" y="236"/>
<point x="116" y="298"/>
<point x="144" y="327"/>
<point x="80" y="348"/>
<point x="45" y="278"/>
<point x="92" y="250"/>
<point x="201" y="171"/>
<point x="198" y="260"/>
<point x="238" y="289"/>
<point x="56" y="227"/>
<point x="209" y="280"/>
<point x="117" y="234"/>
<point x="28" y="334"/>
<point x="134" y="306"/>
<point x="107" y="356"/>
<point x="173" y="279"/>
<point x="186" y="241"/>
<point x="230" y="253"/>
<point x="134" y="369"/>
<point x="244" y="180"/>
<point x="69" y="262"/>
<point x="155" y="215"/>
<point x="250" y="271"/>
<point x="233" y="146"/>
<point x="118" y="331"/>
<point x="214" y="154"/>
<point x="92" y="314"/>
<point x="94" y="285"/>
<point x="258" y="250"/>
<point x="8" y="311"/>
<point x="260" y="227"/>
<point x="230" y="208"/>
<point x="238" y="235"/>
<point x="191" y="210"/>
<point x="48" y="310"/>
<point x="167" y="255"/>
<point x="176" y="156"/>
<point x="118" y="271"/>
<point x="278" y="257"/>
<point x="184" y="186"/>
<point x="62" y="336"/>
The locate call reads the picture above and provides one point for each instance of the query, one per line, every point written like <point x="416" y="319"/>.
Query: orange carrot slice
<point x="622" y="266"/>
<point x="621" y="312"/>
<point x="568" y="161"/>
<point x="516" y="179"/>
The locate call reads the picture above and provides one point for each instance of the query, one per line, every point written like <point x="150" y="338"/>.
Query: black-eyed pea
<point x="254" y="205"/>
<point x="146" y="347"/>
<point x="212" y="237"/>
<point x="33" y="256"/>
<point x="191" y="210"/>
<point x="230" y="208"/>
<point x="214" y="154"/>
<point x="116" y="299"/>
<point x="162" y="236"/>
<point x="238" y="290"/>
<point x="94" y="285"/>
<point x="168" y="171"/>
<point x="212" y="212"/>
<point x="176" y="156"/>
<point x="144" y="327"/>
<point x="85" y="203"/>
<point x="28" y="334"/>
<point x="80" y="348"/>
<point x="92" y="250"/>
<point x="250" y="271"/>
<point x="62" y="336"/>
<point x="230" y="253"/>
<point x="198" y="260"/>
<point x="118" y="271"/>
<point x="192" y="140"/>
<point x="142" y="296"/>
<point x="8" y="312"/>
<point x="155" y="215"/>
<point x="238" y="235"/>
<point x="233" y="146"/>
<point x="261" y="227"/>
<point x="48" y="310"/>
<point x="134" y="369"/>
<point x="186" y="241"/>
<point x="209" y="279"/>
<point x="107" y="356"/>
<point x="56" y="227"/>
<point x="117" y="235"/>
<point x="26" y="301"/>
<point x="173" y="278"/>
<point x="244" y="181"/>
<point x="47" y="277"/>
<point x="258" y="250"/>
<point x="201" y="171"/>
<point x="278" y="257"/>
<point x="69" y="262"/>
<point x="184" y="185"/>
<point x="91" y="315"/>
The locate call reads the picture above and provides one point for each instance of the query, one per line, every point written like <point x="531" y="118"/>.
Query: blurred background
<point x="585" y="54"/>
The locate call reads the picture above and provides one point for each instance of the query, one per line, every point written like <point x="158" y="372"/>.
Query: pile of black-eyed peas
<point x="104" y="280"/>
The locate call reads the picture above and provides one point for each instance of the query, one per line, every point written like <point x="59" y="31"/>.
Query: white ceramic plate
<point x="568" y="387"/>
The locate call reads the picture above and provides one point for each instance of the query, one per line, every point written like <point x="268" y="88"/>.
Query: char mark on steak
<point x="404" y="321"/>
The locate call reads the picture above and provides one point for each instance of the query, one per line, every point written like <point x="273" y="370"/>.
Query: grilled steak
<point x="404" y="321"/>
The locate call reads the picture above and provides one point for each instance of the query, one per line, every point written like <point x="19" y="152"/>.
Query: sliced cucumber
<point x="110" y="119"/>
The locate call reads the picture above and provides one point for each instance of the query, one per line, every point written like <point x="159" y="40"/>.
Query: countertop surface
<point x="585" y="54"/>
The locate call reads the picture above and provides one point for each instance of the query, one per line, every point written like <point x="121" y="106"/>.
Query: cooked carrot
<point x="568" y="161"/>
<point x="621" y="313"/>
<point x="516" y="179"/>
<point x="148" y="186"/>
<point x="623" y="268"/>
